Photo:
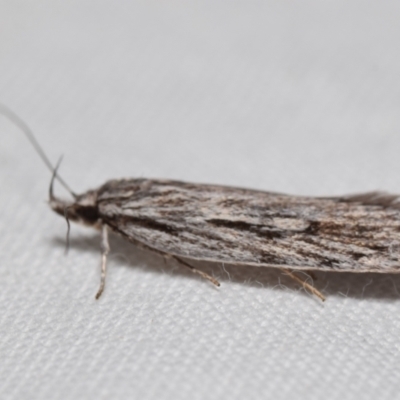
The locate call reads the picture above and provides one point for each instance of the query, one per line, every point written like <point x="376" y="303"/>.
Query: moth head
<point x="83" y="208"/>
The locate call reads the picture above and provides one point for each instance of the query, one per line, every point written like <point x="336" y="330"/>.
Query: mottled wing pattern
<point x="239" y="226"/>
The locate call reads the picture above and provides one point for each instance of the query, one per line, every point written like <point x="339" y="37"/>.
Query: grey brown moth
<point x="221" y="224"/>
<point x="190" y="221"/>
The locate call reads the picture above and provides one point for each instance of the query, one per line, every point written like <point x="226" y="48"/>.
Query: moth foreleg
<point x="196" y="271"/>
<point x="304" y="283"/>
<point x="105" y="249"/>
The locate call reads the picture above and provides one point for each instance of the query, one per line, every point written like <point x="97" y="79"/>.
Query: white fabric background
<point x="298" y="97"/>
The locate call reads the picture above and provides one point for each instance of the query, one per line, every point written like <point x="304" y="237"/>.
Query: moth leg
<point x="105" y="249"/>
<point x="196" y="271"/>
<point x="304" y="283"/>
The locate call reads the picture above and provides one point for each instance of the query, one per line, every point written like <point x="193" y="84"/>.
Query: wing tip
<point x="376" y="198"/>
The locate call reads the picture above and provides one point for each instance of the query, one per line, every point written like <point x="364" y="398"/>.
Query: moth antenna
<point x="31" y="137"/>
<point x="53" y="177"/>
<point x="54" y="198"/>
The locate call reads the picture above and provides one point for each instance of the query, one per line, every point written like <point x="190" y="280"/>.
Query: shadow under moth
<point x="190" y="221"/>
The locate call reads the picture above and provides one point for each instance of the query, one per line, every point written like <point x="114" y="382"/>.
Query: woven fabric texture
<point x="296" y="97"/>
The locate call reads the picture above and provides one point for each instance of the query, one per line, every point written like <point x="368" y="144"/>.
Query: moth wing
<point x="383" y="199"/>
<point x="359" y="233"/>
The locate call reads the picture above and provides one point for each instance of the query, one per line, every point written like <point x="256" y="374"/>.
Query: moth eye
<point x="89" y="214"/>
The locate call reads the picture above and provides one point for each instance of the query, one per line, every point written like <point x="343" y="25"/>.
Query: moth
<point x="189" y="221"/>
